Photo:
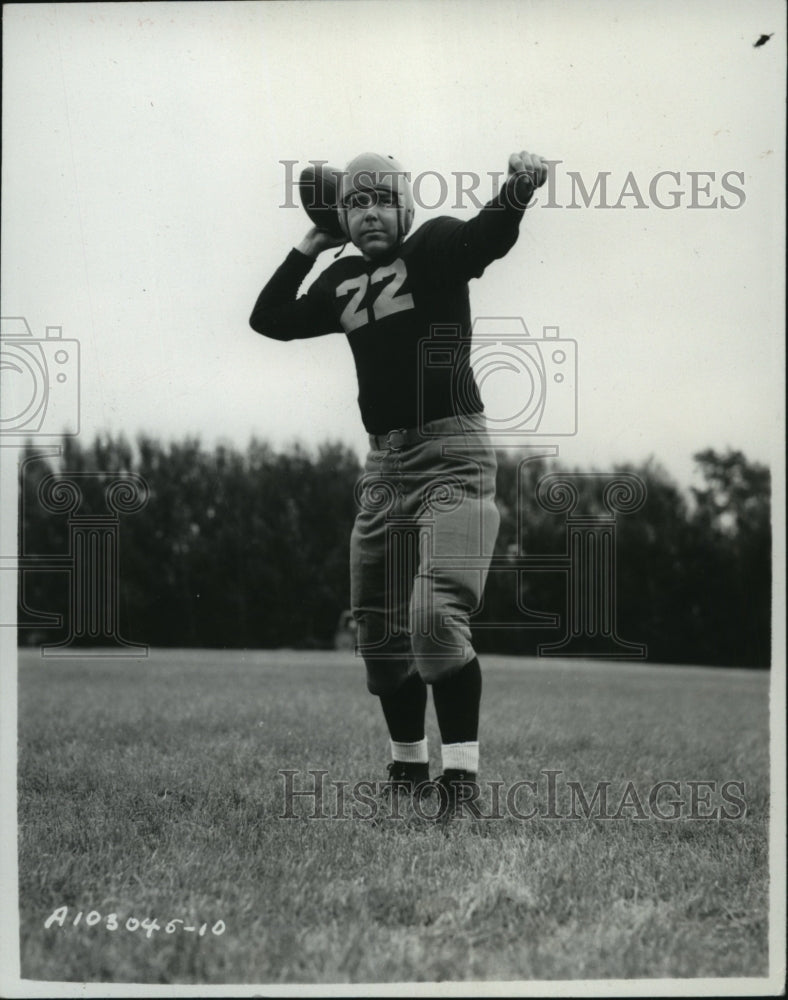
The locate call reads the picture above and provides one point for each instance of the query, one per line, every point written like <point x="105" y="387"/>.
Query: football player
<point x="430" y="472"/>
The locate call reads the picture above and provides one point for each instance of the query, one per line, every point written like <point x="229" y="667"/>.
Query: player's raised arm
<point x="278" y="312"/>
<point x="527" y="172"/>
<point x="466" y="248"/>
<point x="317" y="240"/>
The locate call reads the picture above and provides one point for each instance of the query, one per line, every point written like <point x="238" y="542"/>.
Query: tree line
<point x="249" y="549"/>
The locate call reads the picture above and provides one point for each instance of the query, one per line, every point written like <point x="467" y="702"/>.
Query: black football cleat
<point x="404" y="782"/>
<point x="457" y="793"/>
<point x="410" y="776"/>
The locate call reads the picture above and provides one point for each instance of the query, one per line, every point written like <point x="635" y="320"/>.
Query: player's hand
<point x="318" y="240"/>
<point x="530" y="171"/>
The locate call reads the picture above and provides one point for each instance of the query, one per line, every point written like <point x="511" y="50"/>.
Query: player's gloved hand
<point x="318" y="240"/>
<point x="529" y="171"/>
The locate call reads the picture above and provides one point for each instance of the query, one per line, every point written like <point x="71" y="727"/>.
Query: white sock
<point x="460" y="756"/>
<point x="410" y="753"/>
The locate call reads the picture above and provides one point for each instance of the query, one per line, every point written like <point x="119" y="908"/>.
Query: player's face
<point x="373" y="222"/>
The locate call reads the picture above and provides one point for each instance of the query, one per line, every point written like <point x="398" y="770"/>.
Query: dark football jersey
<point x="406" y="315"/>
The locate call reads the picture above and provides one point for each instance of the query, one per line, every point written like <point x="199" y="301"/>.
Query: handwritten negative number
<point x="387" y="301"/>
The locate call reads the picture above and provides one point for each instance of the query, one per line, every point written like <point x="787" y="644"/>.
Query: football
<point x="317" y="188"/>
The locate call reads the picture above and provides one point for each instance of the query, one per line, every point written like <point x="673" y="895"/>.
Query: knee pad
<point x="441" y="645"/>
<point x="385" y="676"/>
<point x="387" y="656"/>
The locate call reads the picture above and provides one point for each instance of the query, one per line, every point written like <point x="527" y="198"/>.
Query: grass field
<point x="150" y="790"/>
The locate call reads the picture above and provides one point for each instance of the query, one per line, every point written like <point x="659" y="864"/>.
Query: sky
<point x="144" y="185"/>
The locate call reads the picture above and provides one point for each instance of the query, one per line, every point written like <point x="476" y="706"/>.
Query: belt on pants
<point x="402" y="437"/>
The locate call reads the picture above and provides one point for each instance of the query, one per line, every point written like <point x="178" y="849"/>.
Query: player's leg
<point x="382" y="569"/>
<point x="444" y="599"/>
<point x="460" y="529"/>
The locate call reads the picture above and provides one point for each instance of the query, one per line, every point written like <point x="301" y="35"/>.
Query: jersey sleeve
<point x="462" y="250"/>
<point x="282" y="314"/>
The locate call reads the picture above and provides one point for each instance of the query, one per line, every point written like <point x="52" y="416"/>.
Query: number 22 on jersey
<point x="385" y="303"/>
